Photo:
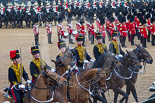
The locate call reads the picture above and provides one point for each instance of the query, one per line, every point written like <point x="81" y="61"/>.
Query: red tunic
<point x="132" y="29"/>
<point x="60" y="29"/>
<point x="49" y="28"/>
<point x="102" y="30"/>
<point x="82" y="29"/>
<point x="36" y="29"/>
<point x="152" y="29"/>
<point x="92" y="29"/>
<point x="78" y="27"/>
<point x="69" y="28"/>
<point x="144" y="32"/>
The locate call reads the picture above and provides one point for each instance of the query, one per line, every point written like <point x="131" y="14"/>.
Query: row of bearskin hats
<point x="14" y="54"/>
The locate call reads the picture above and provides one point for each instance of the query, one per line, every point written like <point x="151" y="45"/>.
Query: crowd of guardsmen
<point x="114" y="20"/>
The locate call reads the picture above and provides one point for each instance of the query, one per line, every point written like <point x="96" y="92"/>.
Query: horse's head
<point x="132" y="61"/>
<point x="52" y="78"/>
<point x="143" y="54"/>
<point x="116" y="62"/>
<point x="67" y="56"/>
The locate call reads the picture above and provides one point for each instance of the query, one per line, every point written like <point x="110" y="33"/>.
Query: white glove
<point x="153" y="83"/>
<point x="86" y="61"/>
<point x="21" y="86"/>
<point x="52" y="69"/>
<point x="28" y="81"/>
<point x="92" y="60"/>
<point x="120" y="55"/>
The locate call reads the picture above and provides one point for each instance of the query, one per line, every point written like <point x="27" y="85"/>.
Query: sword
<point x="21" y="63"/>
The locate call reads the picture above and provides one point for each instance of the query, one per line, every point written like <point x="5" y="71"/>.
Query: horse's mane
<point x="100" y="62"/>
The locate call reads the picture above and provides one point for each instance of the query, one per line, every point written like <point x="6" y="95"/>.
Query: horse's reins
<point x="98" y="77"/>
<point x="51" y="90"/>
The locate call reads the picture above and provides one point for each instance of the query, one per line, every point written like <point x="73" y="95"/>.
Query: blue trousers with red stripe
<point x="18" y="95"/>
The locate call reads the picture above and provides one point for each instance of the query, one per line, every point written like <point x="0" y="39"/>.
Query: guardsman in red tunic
<point x="132" y="30"/>
<point x="60" y="29"/>
<point x="127" y="26"/>
<point x="97" y="23"/>
<point x="82" y="30"/>
<point x="78" y="25"/>
<point x="102" y="29"/>
<point x="152" y="30"/>
<point x="144" y="33"/>
<point x="112" y="26"/>
<point x="123" y="31"/>
<point x="49" y="31"/>
<point x="70" y="31"/>
<point x="88" y="28"/>
<point x="36" y="32"/>
<point x="15" y="74"/>
<point x="91" y="30"/>
<point x="148" y="24"/>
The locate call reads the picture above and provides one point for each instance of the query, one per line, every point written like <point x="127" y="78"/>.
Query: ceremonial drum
<point x="66" y="34"/>
<point x="74" y="33"/>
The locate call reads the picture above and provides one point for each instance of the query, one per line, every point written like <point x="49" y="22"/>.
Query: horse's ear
<point x="127" y="51"/>
<point x="54" y="61"/>
<point x="137" y="45"/>
<point x="105" y="49"/>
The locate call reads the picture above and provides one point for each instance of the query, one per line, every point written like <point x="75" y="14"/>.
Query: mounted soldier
<point x="80" y="52"/>
<point x="15" y="73"/>
<point x="99" y="47"/>
<point x="114" y="47"/>
<point x="62" y="47"/>
<point x="37" y="64"/>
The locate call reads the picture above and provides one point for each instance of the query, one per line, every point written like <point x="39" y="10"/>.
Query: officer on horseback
<point x="15" y="73"/>
<point x="99" y="47"/>
<point x="114" y="47"/>
<point x="37" y="64"/>
<point x="62" y="47"/>
<point x="80" y="52"/>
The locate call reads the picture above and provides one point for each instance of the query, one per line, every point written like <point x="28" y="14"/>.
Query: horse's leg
<point x="133" y="91"/>
<point x="119" y="91"/>
<point x="90" y="101"/>
<point x="128" y="89"/>
<point x="98" y="97"/>
<point x="115" y="97"/>
<point x="103" y="95"/>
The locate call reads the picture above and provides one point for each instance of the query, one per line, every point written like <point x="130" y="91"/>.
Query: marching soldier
<point x="114" y="47"/>
<point x="152" y="29"/>
<point x="70" y="30"/>
<point x="123" y="32"/>
<point x="102" y="29"/>
<point x="78" y="25"/>
<point x="49" y="31"/>
<point x="36" y="32"/>
<point x="132" y="30"/>
<point x="82" y="30"/>
<point x="37" y="64"/>
<point x="60" y="29"/>
<point x="99" y="47"/>
<point x="15" y="73"/>
<point x="92" y="32"/>
<point x="80" y="52"/>
<point x="62" y="47"/>
<point x="144" y="33"/>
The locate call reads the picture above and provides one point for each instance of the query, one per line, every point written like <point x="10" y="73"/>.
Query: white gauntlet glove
<point x="28" y="81"/>
<point x="21" y="86"/>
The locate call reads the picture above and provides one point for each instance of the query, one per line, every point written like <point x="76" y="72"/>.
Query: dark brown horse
<point x="118" y="75"/>
<point x="79" y="84"/>
<point x="41" y="89"/>
<point x="143" y="56"/>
